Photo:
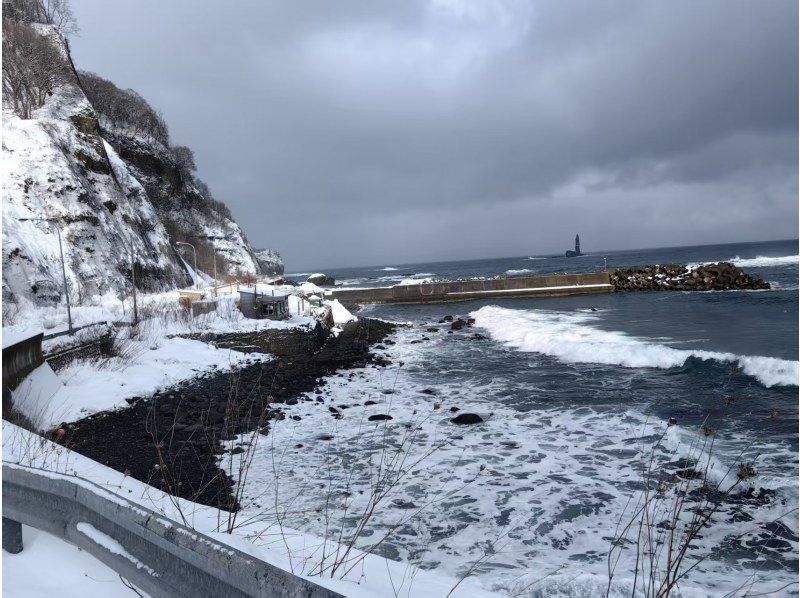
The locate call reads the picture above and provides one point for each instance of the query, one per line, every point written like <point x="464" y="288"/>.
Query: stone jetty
<point x="722" y="276"/>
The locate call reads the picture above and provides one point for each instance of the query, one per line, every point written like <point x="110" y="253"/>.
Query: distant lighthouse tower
<point x="577" y="251"/>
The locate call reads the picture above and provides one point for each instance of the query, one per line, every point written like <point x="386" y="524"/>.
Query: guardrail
<point x="157" y="554"/>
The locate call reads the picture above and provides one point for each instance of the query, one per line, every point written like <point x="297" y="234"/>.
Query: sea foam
<point x="762" y="261"/>
<point x="571" y="338"/>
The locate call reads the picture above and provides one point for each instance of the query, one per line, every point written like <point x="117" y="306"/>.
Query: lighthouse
<point x="577" y="251"/>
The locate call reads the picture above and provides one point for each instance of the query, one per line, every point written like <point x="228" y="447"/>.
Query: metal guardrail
<point x="157" y="554"/>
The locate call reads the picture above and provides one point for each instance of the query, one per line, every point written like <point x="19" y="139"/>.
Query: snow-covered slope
<point x="112" y="197"/>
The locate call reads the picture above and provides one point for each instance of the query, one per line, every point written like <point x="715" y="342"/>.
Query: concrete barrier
<point x="462" y="290"/>
<point x="20" y="359"/>
<point x="159" y="555"/>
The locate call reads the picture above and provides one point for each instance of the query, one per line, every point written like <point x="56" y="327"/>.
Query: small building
<point x="259" y="305"/>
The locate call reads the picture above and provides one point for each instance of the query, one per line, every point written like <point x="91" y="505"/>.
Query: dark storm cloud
<point x="368" y="132"/>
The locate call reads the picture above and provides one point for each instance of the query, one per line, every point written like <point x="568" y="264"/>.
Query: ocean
<point x="576" y="394"/>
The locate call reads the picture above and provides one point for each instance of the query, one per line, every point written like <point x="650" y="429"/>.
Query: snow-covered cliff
<point x="116" y="196"/>
<point x="270" y="262"/>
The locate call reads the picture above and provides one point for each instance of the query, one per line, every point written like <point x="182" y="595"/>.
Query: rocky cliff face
<point x="117" y="199"/>
<point x="270" y="262"/>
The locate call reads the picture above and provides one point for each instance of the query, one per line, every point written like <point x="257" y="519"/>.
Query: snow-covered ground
<point x="150" y="357"/>
<point x="289" y="549"/>
<point x="49" y="566"/>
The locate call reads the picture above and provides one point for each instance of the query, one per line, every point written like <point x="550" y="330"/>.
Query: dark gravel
<point x="170" y="440"/>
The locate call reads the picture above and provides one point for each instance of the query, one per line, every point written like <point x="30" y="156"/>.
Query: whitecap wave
<point x="521" y="271"/>
<point x="388" y="269"/>
<point x="763" y="261"/>
<point x="535" y="258"/>
<point x="570" y="338"/>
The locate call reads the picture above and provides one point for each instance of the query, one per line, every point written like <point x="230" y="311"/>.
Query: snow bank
<point x="145" y="366"/>
<point x="71" y="572"/>
<point x="340" y="313"/>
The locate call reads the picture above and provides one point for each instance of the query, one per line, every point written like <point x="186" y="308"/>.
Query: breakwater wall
<point x="463" y="290"/>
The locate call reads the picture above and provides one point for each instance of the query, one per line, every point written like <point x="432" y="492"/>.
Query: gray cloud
<point x="365" y="132"/>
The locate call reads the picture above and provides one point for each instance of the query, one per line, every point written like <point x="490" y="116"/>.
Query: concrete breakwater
<point x="722" y="276"/>
<point x="462" y="290"/>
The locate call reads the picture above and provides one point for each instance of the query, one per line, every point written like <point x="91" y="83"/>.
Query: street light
<point x="63" y="266"/>
<point x="194" y="252"/>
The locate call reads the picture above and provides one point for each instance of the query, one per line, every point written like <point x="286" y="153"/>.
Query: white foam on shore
<point x="571" y="338"/>
<point x="548" y="485"/>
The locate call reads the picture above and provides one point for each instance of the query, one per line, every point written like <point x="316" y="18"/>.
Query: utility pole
<point x="194" y="252"/>
<point x="63" y="266"/>
<point x="133" y="280"/>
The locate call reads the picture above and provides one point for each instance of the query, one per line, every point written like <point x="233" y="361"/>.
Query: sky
<point x="372" y="132"/>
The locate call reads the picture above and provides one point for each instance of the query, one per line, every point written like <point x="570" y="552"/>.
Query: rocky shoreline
<point x="722" y="276"/>
<point x="173" y="439"/>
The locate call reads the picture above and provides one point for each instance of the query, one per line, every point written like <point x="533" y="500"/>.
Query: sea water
<point x="575" y="393"/>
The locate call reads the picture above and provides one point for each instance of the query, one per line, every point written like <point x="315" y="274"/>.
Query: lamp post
<point x="63" y="266"/>
<point x="194" y="252"/>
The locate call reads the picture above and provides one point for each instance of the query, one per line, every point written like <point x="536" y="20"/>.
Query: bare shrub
<point x="665" y="522"/>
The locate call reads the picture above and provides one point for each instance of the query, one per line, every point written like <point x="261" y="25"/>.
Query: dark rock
<point x="379" y="417"/>
<point x="322" y="280"/>
<point x="428" y="391"/>
<point x="454" y="409"/>
<point x="465" y="419"/>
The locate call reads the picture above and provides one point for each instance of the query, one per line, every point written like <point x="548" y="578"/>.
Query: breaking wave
<point x="522" y="271"/>
<point x="570" y="338"/>
<point x="763" y="261"/>
<point x="388" y="269"/>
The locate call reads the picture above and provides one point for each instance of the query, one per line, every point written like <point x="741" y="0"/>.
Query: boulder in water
<point x="466" y="419"/>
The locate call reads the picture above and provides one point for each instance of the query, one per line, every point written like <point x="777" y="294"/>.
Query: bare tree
<point x="32" y="67"/>
<point x="184" y="159"/>
<point x="123" y="110"/>
<point x="57" y="13"/>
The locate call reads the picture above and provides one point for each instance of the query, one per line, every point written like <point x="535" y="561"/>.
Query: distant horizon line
<point x="543" y="255"/>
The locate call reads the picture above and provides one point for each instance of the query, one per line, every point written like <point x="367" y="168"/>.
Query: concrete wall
<point x="164" y="558"/>
<point x="20" y="359"/>
<point x="523" y="286"/>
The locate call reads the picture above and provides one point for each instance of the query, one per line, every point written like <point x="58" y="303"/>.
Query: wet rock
<point x="322" y="280"/>
<point x="428" y="391"/>
<point x="379" y="417"/>
<point x="466" y="419"/>
<point x="454" y="409"/>
<point x="368" y="403"/>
